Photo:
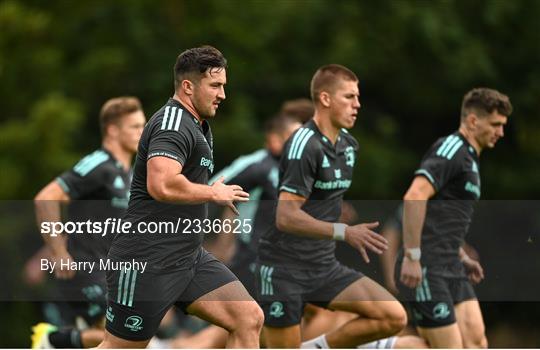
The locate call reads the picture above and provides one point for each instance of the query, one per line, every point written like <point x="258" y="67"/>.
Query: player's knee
<point x="251" y="318"/>
<point x="395" y="320"/>
<point x="476" y="341"/>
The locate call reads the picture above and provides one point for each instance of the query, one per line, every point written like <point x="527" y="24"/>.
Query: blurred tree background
<point x="60" y="60"/>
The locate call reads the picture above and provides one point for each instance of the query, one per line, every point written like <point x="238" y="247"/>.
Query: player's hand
<point x="58" y="258"/>
<point x="474" y="270"/>
<point x="361" y="237"/>
<point x="226" y="195"/>
<point x="411" y="273"/>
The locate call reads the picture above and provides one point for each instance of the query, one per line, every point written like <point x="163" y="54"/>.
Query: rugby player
<point x="297" y="264"/>
<point x="97" y="188"/>
<point x="170" y="184"/>
<point x="433" y="266"/>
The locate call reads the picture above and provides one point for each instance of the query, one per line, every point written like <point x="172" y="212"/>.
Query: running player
<point x="97" y="188"/>
<point x="256" y="173"/>
<point x="297" y="264"/>
<point x="170" y="180"/>
<point x="437" y="212"/>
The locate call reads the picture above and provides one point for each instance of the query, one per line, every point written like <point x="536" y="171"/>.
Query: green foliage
<point x="60" y="60"/>
<point x="37" y="147"/>
<point x="415" y="60"/>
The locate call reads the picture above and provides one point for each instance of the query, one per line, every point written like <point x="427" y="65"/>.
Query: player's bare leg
<point x="471" y="324"/>
<point x="410" y="342"/>
<point x="232" y="308"/>
<point x="282" y="337"/>
<point x="113" y="342"/>
<point x="379" y="314"/>
<point x="317" y="321"/>
<point x="212" y="337"/>
<point x="447" y="337"/>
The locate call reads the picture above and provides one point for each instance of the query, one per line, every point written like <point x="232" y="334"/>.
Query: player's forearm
<point x="180" y="190"/>
<point x="294" y="220"/>
<point x="388" y="258"/>
<point x="414" y="213"/>
<point x="48" y="211"/>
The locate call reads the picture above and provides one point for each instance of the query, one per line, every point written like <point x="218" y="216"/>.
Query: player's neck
<point x="470" y="139"/>
<point x="186" y="102"/>
<point x="118" y="152"/>
<point x="326" y="127"/>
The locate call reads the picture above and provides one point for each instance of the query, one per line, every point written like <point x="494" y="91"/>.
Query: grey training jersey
<point x="174" y="133"/>
<point x="451" y="166"/>
<point x="98" y="186"/>
<point x="315" y="169"/>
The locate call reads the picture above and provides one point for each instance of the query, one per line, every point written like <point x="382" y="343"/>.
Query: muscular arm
<point x="414" y="211"/>
<point x="414" y="214"/>
<point x="47" y="205"/>
<point x="292" y="219"/>
<point x="166" y="183"/>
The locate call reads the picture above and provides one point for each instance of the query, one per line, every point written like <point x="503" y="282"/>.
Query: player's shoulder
<point x="252" y="165"/>
<point x="173" y="116"/>
<point x="254" y="159"/>
<point x="98" y="160"/>
<point x="303" y="142"/>
<point x="450" y="147"/>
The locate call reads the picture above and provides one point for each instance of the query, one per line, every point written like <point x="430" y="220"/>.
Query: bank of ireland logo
<point x="276" y="309"/>
<point x="349" y="156"/>
<point x="441" y="311"/>
<point x="133" y="323"/>
<point x="337" y="172"/>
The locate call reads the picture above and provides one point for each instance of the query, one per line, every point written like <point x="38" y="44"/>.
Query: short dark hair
<point x="326" y="78"/>
<point x="279" y="124"/>
<point x="484" y="101"/>
<point x="115" y="108"/>
<point x="193" y="63"/>
<point x="301" y="108"/>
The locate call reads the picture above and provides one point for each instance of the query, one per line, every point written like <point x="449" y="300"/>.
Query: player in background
<point x="434" y="270"/>
<point x="96" y="188"/>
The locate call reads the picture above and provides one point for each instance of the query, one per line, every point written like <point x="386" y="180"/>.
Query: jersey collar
<point x="470" y="148"/>
<point x="324" y="140"/>
<point x="191" y="116"/>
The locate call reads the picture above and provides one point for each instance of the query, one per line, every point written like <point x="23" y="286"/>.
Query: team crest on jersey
<point x="337" y="172"/>
<point x="349" y="156"/>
